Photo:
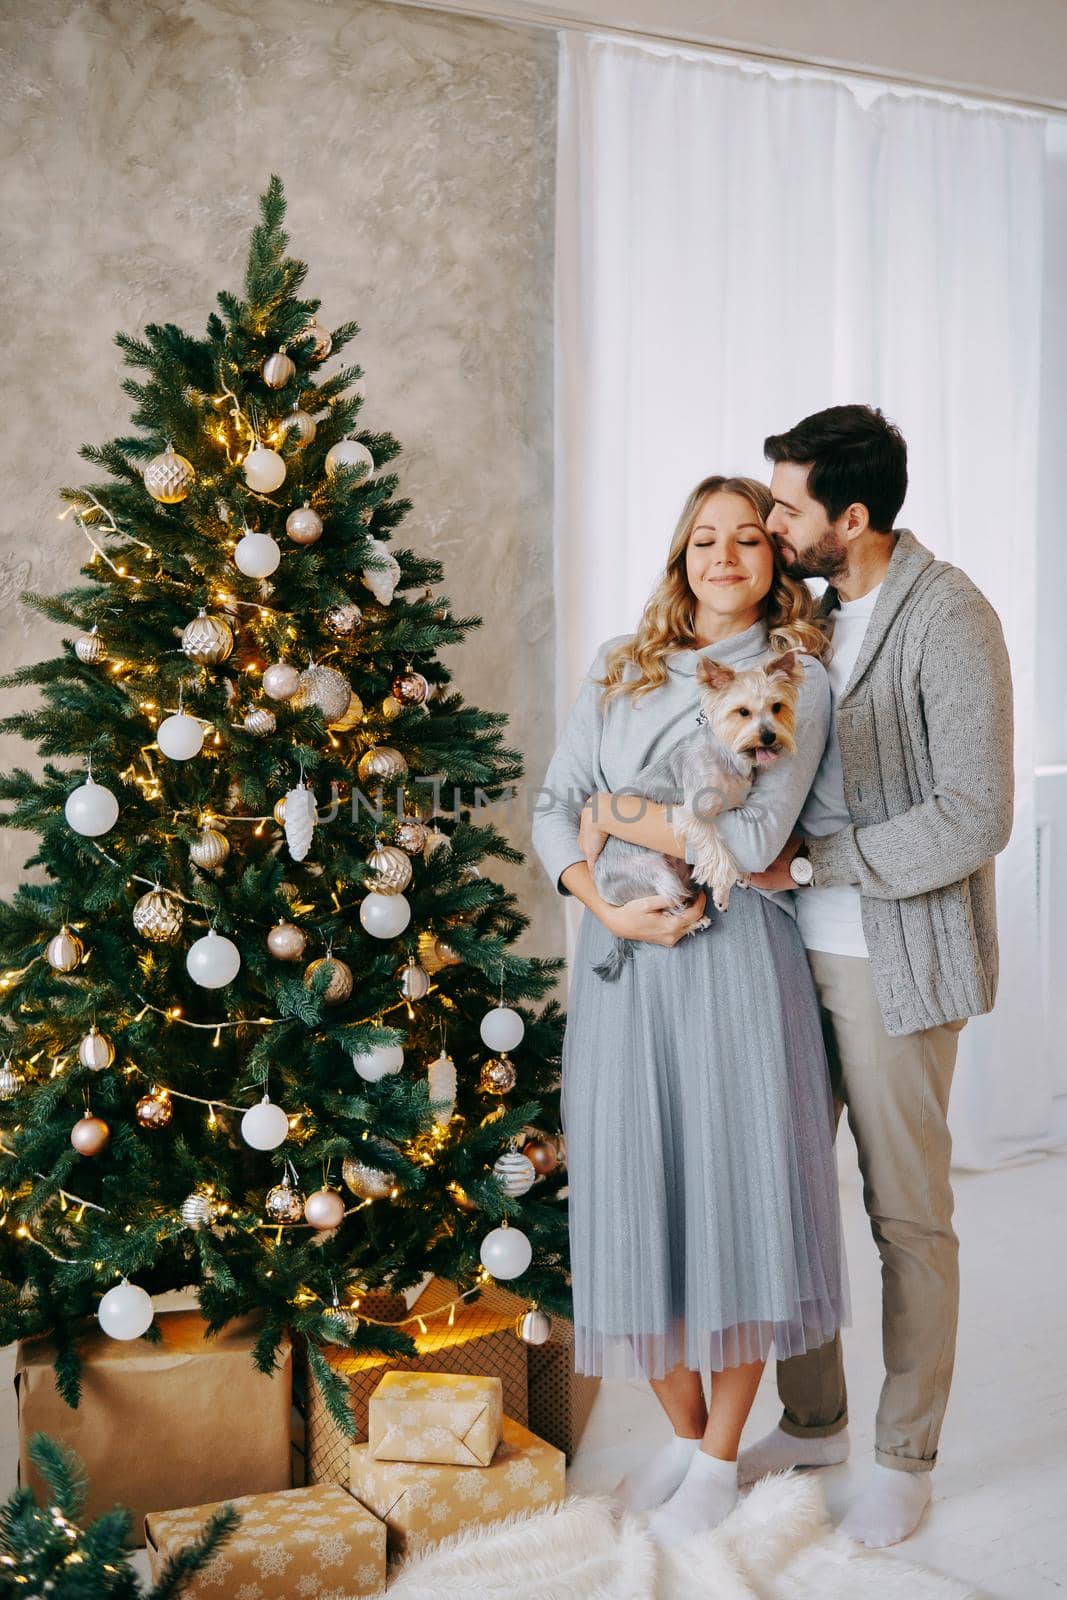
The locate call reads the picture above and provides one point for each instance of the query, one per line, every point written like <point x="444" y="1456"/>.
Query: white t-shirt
<point x="829" y="919"/>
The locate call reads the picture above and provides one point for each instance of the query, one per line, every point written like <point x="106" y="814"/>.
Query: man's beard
<point x="826" y="558"/>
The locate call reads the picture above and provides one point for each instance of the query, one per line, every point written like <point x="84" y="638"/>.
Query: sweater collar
<point x="907" y="564"/>
<point x="739" y="647"/>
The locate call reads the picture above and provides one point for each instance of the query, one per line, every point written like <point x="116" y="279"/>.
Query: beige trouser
<point x="895" y="1090"/>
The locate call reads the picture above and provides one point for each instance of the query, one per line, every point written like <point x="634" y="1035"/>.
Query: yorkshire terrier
<point x="746" y="721"/>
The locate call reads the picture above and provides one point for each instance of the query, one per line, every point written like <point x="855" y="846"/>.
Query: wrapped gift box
<point x="187" y="1419"/>
<point x="480" y="1342"/>
<point x="435" y="1416"/>
<point x="421" y="1504"/>
<point x="286" y="1546"/>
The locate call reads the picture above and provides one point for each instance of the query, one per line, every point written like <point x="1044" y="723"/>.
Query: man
<point x="893" y="867"/>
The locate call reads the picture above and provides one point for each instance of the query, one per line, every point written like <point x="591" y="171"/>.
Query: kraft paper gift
<point x="287" y="1546"/>
<point x="185" y="1420"/>
<point x="422" y="1504"/>
<point x="435" y="1416"/>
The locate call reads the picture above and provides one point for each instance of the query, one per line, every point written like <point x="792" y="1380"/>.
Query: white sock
<point x="781" y="1450"/>
<point x="704" y="1498"/>
<point x="889" y="1509"/>
<point x="650" y="1484"/>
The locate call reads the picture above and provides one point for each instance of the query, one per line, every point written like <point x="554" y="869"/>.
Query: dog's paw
<point x="705" y="922"/>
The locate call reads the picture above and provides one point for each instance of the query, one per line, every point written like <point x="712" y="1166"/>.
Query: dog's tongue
<point x="765" y="757"/>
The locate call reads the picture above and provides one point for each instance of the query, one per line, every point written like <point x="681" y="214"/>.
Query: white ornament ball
<point x="280" y="681"/>
<point x="169" y="477"/>
<point x="91" y="809"/>
<point x="378" y="1062"/>
<point x="264" y="470"/>
<point x="265" y="1126"/>
<point x="257" y="555"/>
<point x="324" y="1209"/>
<point x="96" y="1051"/>
<point x="535" y="1327"/>
<point x="384" y="915"/>
<point x="213" y="961"/>
<point x="277" y="370"/>
<point x="304" y="525"/>
<point x="348" y="453"/>
<point x="506" y="1252"/>
<point x="125" y="1312"/>
<point x="502" y="1029"/>
<point x="515" y="1173"/>
<point x="180" y="737"/>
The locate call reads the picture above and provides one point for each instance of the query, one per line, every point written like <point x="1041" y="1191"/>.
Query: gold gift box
<point x="439" y="1417"/>
<point x="481" y="1340"/>
<point x="187" y="1418"/>
<point x="286" y="1546"/>
<point x="421" y="1504"/>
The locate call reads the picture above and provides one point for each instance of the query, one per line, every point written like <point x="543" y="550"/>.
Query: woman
<point x="696" y="1103"/>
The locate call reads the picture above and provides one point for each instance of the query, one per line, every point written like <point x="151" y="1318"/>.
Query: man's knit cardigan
<point x="925" y="728"/>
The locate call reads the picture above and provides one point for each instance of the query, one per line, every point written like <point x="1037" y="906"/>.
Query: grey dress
<point x="696" y="1105"/>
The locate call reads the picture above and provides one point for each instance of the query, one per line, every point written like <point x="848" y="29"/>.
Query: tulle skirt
<point x="705" y="1226"/>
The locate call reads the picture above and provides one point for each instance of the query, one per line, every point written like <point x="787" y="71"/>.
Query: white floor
<point x="999" y="1518"/>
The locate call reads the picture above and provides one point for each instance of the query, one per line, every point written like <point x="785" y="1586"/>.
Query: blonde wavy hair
<point x="667" y="620"/>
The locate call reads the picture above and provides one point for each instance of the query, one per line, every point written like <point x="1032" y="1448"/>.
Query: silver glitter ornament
<point x="169" y="477"/>
<point x="199" y="1211"/>
<point x="498" y="1075"/>
<point x="158" y="916"/>
<point x="369" y="1183"/>
<point x="344" y="619"/>
<point x="515" y="1173"/>
<point x="284" y="1204"/>
<point x="383" y="762"/>
<point x="390" y="869"/>
<point x="260" y="722"/>
<point x="90" y="648"/>
<point x="207" y="639"/>
<point x="410" y="836"/>
<point x="209" y="849"/>
<point x="352" y="717"/>
<point x="324" y="688"/>
<point x="410" y="688"/>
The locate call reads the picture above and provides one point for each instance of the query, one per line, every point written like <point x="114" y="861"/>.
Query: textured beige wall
<point x="417" y="152"/>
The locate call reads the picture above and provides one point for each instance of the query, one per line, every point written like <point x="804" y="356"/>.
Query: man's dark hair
<point x="856" y="455"/>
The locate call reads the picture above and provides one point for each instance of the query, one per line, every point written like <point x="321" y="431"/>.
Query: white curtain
<point x="738" y="246"/>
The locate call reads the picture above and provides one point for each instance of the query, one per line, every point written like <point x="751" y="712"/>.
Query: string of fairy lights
<point x="213" y="961"/>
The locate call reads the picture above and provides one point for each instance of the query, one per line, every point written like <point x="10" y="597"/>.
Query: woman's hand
<point x="591" y="836"/>
<point x="648" y="920"/>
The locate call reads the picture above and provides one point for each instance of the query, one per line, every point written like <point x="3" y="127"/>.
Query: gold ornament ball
<point x="277" y="370"/>
<point x="410" y="836"/>
<point x="304" y="525"/>
<point x="207" y="639"/>
<point x="344" y="619"/>
<point x="96" y="1051"/>
<point x="158" y="916"/>
<point x="199" y="1210"/>
<point x="154" y="1110"/>
<point x="326" y="689"/>
<point x="90" y="648"/>
<point x="352" y="717"/>
<point x="391" y="708"/>
<point x="498" y="1075"/>
<point x="445" y="954"/>
<point x="284" y="1204"/>
<point x="260" y="722"/>
<point x="339" y="986"/>
<point x="90" y="1135"/>
<point x="323" y="343"/>
<point x="543" y="1156"/>
<point x="383" y="762"/>
<point x="469" y="874"/>
<point x="286" y="942"/>
<point x="209" y="849"/>
<point x="390" y="869"/>
<point x="343" y="1317"/>
<point x="369" y="1183"/>
<point x="298" y="425"/>
<point x="410" y="688"/>
<point x="169" y="477"/>
<point x="414" y="980"/>
<point x="428" y="957"/>
<point x="11" y="1081"/>
<point x="324" y="1209"/>
<point x="64" y="951"/>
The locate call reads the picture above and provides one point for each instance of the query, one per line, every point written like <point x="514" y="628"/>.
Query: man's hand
<point x="647" y="919"/>
<point x="591" y="836"/>
<point x="777" y="874"/>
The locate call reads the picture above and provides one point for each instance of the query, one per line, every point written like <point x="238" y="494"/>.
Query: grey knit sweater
<point x="925" y="729"/>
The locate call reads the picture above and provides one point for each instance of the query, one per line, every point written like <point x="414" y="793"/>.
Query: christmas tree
<point x="43" y="1551"/>
<point x="258" y="1015"/>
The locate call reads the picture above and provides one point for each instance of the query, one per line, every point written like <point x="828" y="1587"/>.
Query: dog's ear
<point x="716" y="674"/>
<point x="786" y="666"/>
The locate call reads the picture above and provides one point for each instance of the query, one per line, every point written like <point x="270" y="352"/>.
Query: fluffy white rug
<point x="778" y="1545"/>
